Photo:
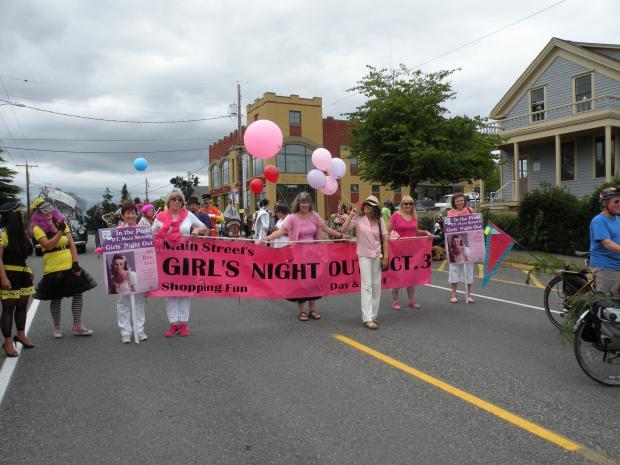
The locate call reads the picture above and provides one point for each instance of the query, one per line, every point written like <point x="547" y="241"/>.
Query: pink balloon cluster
<point x="335" y="167"/>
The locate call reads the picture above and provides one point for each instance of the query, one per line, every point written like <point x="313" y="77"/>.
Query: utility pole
<point x="146" y="189"/>
<point x="240" y="157"/>
<point x="28" y="166"/>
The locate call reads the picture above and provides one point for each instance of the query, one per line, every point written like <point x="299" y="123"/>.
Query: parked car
<point x="80" y="237"/>
<point x="446" y="202"/>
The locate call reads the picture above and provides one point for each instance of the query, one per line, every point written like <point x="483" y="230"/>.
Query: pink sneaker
<point x="173" y="330"/>
<point x="414" y="304"/>
<point x="80" y="330"/>
<point x="395" y="305"/>
<point x="184" y="331"/>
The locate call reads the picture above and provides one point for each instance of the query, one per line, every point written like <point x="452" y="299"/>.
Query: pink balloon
<point x="337" y="168"/>
<point x="316" y="179"/>
<point x="331" y="186"/>
<point x="321" y="159"/>
<point x="263" y="138"/>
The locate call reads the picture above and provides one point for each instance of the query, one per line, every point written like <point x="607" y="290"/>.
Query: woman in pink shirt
<point x="404" y="223"/>
<point x="303" y="224"/>
<point x="460" y="272"/>
<point x="372" y="250"/>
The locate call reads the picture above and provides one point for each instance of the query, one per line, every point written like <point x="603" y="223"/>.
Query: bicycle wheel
<point x="557" y="293"/>
<point x="602" y="366"/>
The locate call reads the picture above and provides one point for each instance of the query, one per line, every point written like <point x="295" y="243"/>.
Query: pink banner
<point x="205" y="267"/>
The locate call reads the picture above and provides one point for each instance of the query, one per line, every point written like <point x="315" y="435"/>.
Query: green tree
<point x="492" y="181"/>
<point x="403" y="134"/>
<point x="124" y="193"/>
<point x="107" y="195"/>
<point x="8" y="190"/>
<point x="184" y="185"/>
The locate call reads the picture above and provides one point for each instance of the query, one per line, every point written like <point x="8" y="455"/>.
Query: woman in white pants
<point x="123" y="283"/>
<point x="172" y="224"/>
<point x="372" y="250"/>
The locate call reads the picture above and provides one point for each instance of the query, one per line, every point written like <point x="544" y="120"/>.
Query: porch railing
<point x="605" y="102"/>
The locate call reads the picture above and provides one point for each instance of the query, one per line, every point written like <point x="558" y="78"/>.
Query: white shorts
<point x="461" y="273"/>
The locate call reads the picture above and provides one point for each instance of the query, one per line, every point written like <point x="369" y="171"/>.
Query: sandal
<point x="453" y="299"/>
<point x="370" y="325"/>
<point x="414" y="304"/>
<point x="395" y="305"/>
<point x="303" y="316"/>
<point x="376" y="322"/>
<point x="471" y="300"/>
<point x="314" y="315"/>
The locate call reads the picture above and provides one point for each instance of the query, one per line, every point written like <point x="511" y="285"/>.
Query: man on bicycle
<point x="605" y="242"/>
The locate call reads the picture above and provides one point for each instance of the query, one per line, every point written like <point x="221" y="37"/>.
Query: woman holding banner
<point x="62" y="274"/>
<point x="171" y="225"/>
<point x="460" y="272"/>
<point x="123" y="282"/>
<point x="404" y="224"/>
<point x="303" y="224"/>
<point x="373" y="253"/>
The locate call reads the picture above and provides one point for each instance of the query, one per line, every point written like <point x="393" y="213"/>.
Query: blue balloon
<point x="140" y="164"/>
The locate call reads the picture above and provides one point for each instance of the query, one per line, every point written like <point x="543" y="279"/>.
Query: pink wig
<point x="38" y="219"/>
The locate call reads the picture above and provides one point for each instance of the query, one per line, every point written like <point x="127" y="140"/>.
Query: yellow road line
<point x="503" y="281"/>
<point x="522" y="423"/>
<point x="443" y="265"/>
<point x="534" y="280"/>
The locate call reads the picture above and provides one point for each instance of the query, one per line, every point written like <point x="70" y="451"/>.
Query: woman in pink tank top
<point x="404" y="223"/>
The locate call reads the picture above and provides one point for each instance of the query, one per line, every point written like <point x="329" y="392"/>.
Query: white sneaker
<point x="142" y="336"/>
<point x="57" y="332"/>
<point x="126" y="339"/>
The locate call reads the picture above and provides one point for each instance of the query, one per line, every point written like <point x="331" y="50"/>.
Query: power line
<point x="94" y="90"/>
<point x="121" y="151"/>
<point x="20" y="128"/>
<point x="20" y="97"/>
<point x="61" y="139"/>
<point x="490" y="34"/>
<point x="465" y="44"/>
<point x="189" y="173"/>
<point x="119" y="120"/>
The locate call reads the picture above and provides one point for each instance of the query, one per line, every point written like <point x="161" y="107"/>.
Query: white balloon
<point x="337" y="168"/>
<point x="321" y="159"/>
<point x="316" y="179"/>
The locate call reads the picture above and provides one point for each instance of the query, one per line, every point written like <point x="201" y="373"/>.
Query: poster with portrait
<point x="129" y="261"/>
<point x="464" y="238"/>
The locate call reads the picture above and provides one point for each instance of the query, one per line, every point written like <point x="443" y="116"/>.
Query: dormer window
<point x="583" y="93"/>
<point x="537" y="104"/>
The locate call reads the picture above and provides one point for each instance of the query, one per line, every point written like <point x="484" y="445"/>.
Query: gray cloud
<point x="162" y="61"/>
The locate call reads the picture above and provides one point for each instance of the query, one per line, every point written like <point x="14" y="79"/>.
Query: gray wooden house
<point x="561" y="121"/>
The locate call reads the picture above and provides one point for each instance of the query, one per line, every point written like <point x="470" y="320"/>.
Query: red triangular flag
<point x="498" y="244"/>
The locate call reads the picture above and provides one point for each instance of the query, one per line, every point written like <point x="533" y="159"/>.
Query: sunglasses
<point x="407" y="203"/>
<point x="177" y="199"/>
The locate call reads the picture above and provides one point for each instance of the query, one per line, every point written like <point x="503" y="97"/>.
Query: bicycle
<point x="597" y="342"/>
<point x="562" y="287"/>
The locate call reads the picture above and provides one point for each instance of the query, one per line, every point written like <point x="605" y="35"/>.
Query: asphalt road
<point x="253" y="385"/>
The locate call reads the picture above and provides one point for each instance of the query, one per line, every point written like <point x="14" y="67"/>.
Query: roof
<point x="583" y="52"/>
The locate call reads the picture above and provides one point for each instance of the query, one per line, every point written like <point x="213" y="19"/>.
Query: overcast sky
<point x="161" y="61"/>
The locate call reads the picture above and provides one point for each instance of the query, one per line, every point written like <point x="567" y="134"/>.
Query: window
<point x="256" y="117"/>
<point x="353" y="165"/>
<point x="294" y="117"/>
<point x="294" y="158"/>
<point x="599" y="157"/>
<point x="287" y="192"/>
<point x="225" y="172"/>
<point x="376" y="191"/>
<point x="215" y="176"/>
<point x="522" y="168"/>
<point x="258" y="166"/>
<point x="355" y="193"/>
<point x="567" y="161"/>
<point x="537" y="104"/>
<point x="583" y="93"/>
